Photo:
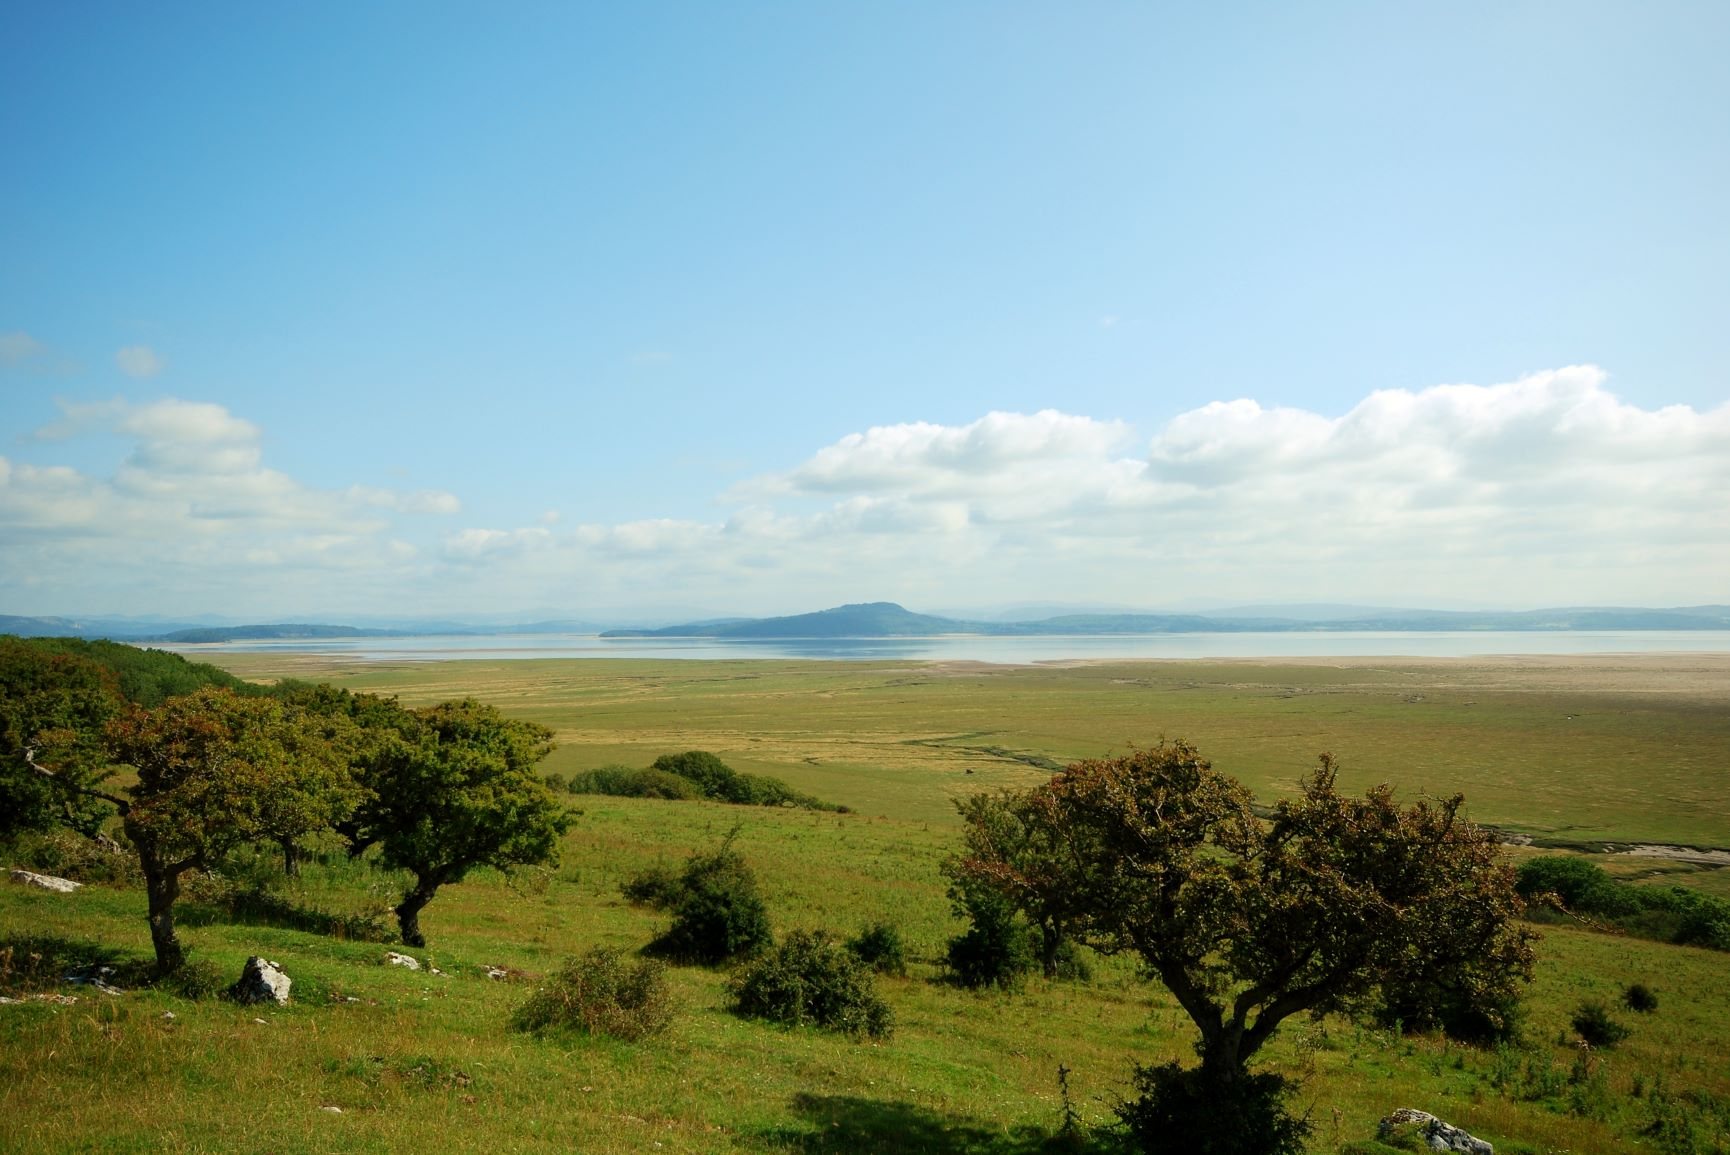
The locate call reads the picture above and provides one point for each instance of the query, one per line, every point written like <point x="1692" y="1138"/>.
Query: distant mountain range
<point x="888" y="620"/>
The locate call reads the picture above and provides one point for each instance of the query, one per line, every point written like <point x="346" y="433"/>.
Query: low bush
<point x="811" y="980"/>
<point x="721" y="782"/>
<point x="1592" y="1022"/>
<point x="625" y="782"/>
<point x="1640" y="998"/>
<point x="996" y="949"/>
<point x="717" y="913"/>
<point x="68" y="854"/>
<point x="879" y="947"/>
<point x="659" y="887"/>
<point x="601" y="994"/>
<point x="1180" y="1109"/>
<point x="1676" y="914"/>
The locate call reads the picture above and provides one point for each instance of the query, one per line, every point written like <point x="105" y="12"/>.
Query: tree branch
<point x="120" y="804"/>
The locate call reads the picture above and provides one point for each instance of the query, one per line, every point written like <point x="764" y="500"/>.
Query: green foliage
<point x="811" y="980"/>
<point x="207" y="766"/>
<point x="720" y="782"/>
<point x="1481" y="1013"/>
<point x="1675" y="914"/>
<point x="1247" y="922"/>
<point x="659" y="886"/>
<point x="1593" y="1023"/>
<point x="452" y="787"/>
<point x="601" y="994"/>
<point x="624" y="782"/>
<point x="879" y="947"/>
<point x="1640" y="998"/>
<point x="145" y="677"/>
<point x="995" y="950"/>
<point x="1189" y="1110"/>
<point x="1003" y="828"/>
<point x="717" y="912"/>
<point x="68" y="854"/>
<point x="53" y="707"/>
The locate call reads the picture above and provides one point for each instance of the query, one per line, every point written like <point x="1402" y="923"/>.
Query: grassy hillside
<point x="424" y="1061"/>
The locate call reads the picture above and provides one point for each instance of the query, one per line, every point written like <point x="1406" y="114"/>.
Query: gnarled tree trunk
<point x="408" y="910"/>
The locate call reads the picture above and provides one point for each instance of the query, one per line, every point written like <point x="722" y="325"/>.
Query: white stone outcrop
<point x="261" y="982"/>
<point x="1437" y="1135"/>
<point x="45" y="881"/>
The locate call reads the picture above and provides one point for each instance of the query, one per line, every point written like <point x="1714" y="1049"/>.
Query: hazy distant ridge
<point x="888" y="620"/>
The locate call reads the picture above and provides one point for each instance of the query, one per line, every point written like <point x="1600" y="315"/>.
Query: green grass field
<point x="428" y="1062"/>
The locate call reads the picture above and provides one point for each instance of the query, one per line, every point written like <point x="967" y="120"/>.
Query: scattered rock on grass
<point x="1435" y="1134"/>
<point x="45" y="881"/>
<point x="401" y="960"/>
<point x="261" y="982"/>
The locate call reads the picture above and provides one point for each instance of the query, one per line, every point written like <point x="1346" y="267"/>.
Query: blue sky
<point x="764" y="307"/>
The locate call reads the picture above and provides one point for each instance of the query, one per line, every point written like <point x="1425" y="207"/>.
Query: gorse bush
<point x="879" y="947"/>
<point x="811" y="980"/>
<point x="601" y="994"/>
<point x="717" y="912"/>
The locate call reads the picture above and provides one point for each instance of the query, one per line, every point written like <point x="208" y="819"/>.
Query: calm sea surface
<point x="1005" y="650"/>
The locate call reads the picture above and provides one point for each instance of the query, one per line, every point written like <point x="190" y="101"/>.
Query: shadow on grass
<point x="31" y="964"/>
<point x="256" y="907"/>
<point x="843" y="1123"/>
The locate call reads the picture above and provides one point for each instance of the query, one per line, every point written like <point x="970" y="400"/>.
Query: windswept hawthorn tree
<point x="211" y="766"/>
<point x="1249" y="922"/>
<point x="449" y="788"/>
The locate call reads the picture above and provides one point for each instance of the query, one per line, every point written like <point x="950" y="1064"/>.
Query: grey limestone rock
<point x="1437" y="1135"/>
<point x="261" y="982"/>
<point x="45" y="881"/>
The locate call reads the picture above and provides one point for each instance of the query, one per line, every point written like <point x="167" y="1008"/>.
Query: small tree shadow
<point x="845" y="1123"/>
<point x="30" y="964"/>
<point x="255" y="906"/>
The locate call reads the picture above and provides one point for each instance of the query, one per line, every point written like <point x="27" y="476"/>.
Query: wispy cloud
<point x="140" y="361"/>
<point x="19" y="346"/>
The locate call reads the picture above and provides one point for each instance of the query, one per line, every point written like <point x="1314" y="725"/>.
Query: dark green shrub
<point x="68" y="854"/>
<point x="1185" y="1110"/>
<point x="659" y="886"/>
<point x="879" y="947"/>
<point x="601" y="994"/>
<point x="717" y="914"/>
<point x="995" y="950"/>
<point x="811" y="980"/>
<point x="1592" y="1022"/>
<point x="715" y="777"/>
<point x="1072" y="963"/>
<point x="1640" y="998"/>
<point x="1582" y="887"/>
<point x="1481" y="1017"/>
<point x="624" y="782"/>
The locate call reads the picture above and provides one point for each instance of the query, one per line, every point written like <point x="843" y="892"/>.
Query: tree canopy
<point x="1249" y="922"/>
<point x="453" y="787"/>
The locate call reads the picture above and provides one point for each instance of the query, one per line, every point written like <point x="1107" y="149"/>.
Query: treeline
<point x="218" y="764"/>
<point x="690" y="776"/>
